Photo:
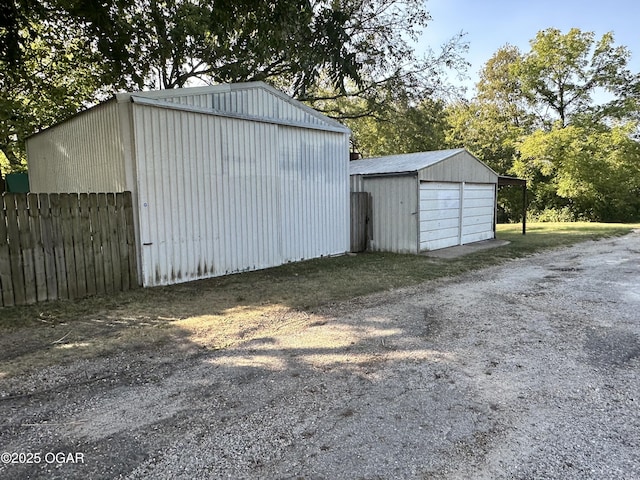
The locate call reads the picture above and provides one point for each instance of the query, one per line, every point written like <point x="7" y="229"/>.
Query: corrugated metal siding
<point x="256" y="101"/>
<point x="262" y="103"/>
<point x="315" y="193"/>
<point x="220" y="195"/>
<point x="356" y="183"/>
<point x="83" y="154"/>
<point x="395" y="212"/>
<point x="462" y="167"/>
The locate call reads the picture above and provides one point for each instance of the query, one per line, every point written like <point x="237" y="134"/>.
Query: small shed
<point x="225" y="178"/>
<point x="427" y="200"/>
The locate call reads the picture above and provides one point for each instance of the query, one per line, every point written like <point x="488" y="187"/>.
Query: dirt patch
<point x="526" y="370"/>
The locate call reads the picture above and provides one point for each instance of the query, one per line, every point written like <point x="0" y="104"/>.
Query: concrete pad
<point x="460" y="250"/>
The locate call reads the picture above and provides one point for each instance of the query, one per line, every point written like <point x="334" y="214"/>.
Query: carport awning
<point x="504" y="181"/>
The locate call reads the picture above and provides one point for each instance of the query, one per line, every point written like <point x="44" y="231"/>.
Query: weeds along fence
<point x="65" y="246"/>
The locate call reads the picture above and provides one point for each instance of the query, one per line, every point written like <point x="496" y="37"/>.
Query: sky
<point x="490" y="24"/>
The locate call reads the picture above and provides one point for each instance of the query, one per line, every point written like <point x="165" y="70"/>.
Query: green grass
<point x="220" y="311"/>
<point x="312" y="283"/>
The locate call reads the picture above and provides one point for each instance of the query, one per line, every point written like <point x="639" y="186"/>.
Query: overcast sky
<point x="490" y="24"/>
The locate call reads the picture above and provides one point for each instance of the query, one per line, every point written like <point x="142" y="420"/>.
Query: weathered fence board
<point x="360" y="220"/>
<point x="65" y="246"/>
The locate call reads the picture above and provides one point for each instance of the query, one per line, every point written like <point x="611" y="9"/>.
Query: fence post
<point x="35" y="231"/>
<point x="48" y="246"/>
<point x="6" y="282"/>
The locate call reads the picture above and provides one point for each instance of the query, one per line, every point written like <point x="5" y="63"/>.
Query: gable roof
<point x="249" y="101"/>
<point x="403" y="163"/>
<point x="234" y="100"/>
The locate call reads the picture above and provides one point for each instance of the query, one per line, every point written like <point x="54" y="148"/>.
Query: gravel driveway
<point x="527" y="370"/>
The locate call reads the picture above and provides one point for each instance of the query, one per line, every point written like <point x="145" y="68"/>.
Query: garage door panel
<point x="477" y="237"/>
<point x="444" y="232"/>
<point x="478" y="202"/>
<point x="431" y="214"/>
<point x="441" y="241"/>
<point x="475" y="212"/>
<point x="484" y="220"/>
<point x="478" y="215"/>
<point x="475" y="228"/>
<point x="444" y="204"/>
<point x="439" y="215"/>
<point x="433" y="225"/>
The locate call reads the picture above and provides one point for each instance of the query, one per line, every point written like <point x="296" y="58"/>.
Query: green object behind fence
<point x="17" y="182"/>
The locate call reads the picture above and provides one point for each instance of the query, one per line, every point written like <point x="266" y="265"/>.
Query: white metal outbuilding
<point x="224" y="178"/>
<point x="427" y="200"/>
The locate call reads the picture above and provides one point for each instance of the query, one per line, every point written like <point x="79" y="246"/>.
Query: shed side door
<point x="478" y="212"/>
<point x="439" y="215"/>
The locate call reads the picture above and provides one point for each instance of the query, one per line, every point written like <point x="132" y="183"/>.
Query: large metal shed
<point x="224" y="178"/>
<point x="427" y="200"/>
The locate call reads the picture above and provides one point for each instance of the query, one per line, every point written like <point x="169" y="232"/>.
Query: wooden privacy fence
<point x="360" y="221"/>
<point x="65" y="246"/>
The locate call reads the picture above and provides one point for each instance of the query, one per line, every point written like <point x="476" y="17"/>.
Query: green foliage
<point x="562" y="72"/>
<point x="404" y="129"/>
<point x="56" y="76"/>
<point x="593" y="173"/>
<point x="552" y="215"/>
<point x="347" y="58"/>
<point x="534" y="117"/>
<point x="482" y="128"/>
<point x="490" y="124"/>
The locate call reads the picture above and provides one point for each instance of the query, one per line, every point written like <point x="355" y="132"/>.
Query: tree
<point x="53" y="77"/>
<point x="535" y="116"/>
<point x="561" y="73"/>
<point x="593" y="172"/>
<point x="403" y="129"/>
<point x="320" y="51"/>
<point x="313" y="49"/>
<point x="490" y="124"/>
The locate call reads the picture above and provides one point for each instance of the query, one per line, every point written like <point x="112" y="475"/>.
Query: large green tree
<point x="403" y="128"/>
<point x="591" y="172"/>
<point x="561" y="73"/>
<point x="490" y="124"/>
<point x="563" y="116"/>
<point x="47" y="74"/>
<point x="324" y="52"/>
<point x="306" y="47"/>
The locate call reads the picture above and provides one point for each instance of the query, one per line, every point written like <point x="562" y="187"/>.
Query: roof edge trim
<point x="158" y="103"/>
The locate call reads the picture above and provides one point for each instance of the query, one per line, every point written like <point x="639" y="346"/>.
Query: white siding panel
<point x="461" y="167"/>
<point x="394" y="210"/>
<point x="221" y="195"/>
<point x="315" y="193"/>
<point x="262" y="103"/>
<point x="83" y="154"/>
<point x="209" y="195"/>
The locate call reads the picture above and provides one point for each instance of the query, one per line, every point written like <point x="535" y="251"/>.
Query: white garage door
<point x="439" y="215"/>
<point x="478" y="208"/>
<point x="454" y="214"/>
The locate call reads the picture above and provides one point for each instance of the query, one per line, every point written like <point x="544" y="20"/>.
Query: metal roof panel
<point x="404" y="163"/>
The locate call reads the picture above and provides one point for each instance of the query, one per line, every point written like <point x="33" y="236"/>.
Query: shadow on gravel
<point x="288" y="398"/>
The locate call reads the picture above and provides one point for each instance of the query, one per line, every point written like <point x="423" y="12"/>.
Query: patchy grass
<point x="220" y="312"/>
